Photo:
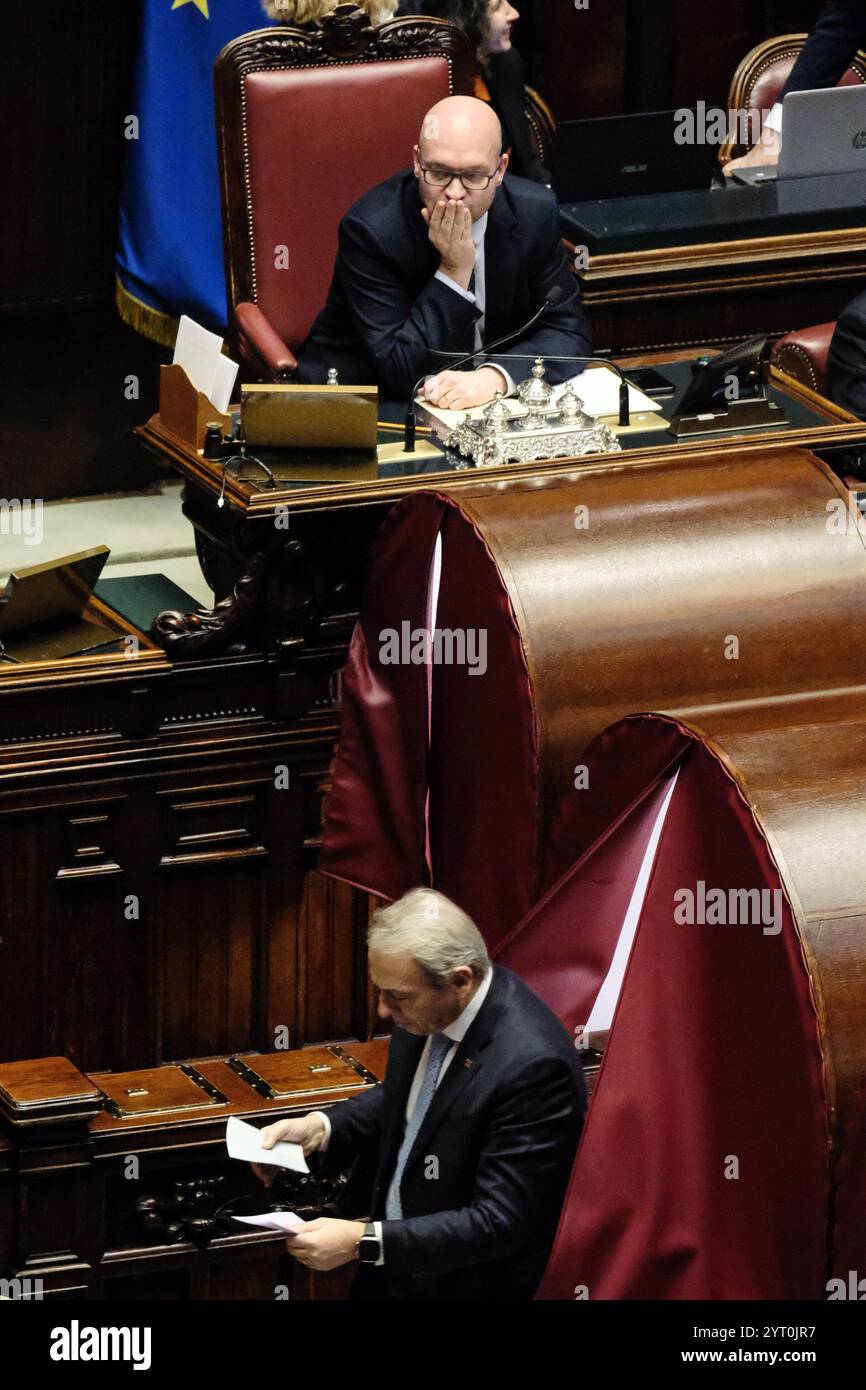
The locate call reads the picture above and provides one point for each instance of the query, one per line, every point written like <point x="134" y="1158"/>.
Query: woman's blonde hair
<point x="308" y="11"/>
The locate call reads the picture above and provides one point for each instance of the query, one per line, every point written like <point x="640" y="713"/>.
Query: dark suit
<point x="386" y="309"/>
<point x="502" y="1127"/>
<point x="846" y="361"/>
<point x="830" y="47"/>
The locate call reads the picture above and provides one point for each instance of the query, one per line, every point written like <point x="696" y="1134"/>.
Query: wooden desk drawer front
<point x="158" y="1091"/>
<point x="312" y="1071"/>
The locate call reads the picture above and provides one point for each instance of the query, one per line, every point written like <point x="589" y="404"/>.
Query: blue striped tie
<point x="439" y="1047"/>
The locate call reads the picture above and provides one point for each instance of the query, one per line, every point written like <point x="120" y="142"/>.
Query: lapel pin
<point x="468" y="1063"/>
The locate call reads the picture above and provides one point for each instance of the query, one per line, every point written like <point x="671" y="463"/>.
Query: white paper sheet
<point x="242" y="1141"/>
<point x="223" y="383"/>
<point x="602" y="1011"/>
<point x="198" y="352"/>
<point x="598" y="388"/>
<point x="273" y="1220"/>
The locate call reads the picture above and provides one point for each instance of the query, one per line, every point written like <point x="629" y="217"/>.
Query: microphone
<point x="550" y="302"/>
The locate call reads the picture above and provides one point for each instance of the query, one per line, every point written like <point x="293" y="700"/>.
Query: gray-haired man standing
<point x="473" y="1130"/>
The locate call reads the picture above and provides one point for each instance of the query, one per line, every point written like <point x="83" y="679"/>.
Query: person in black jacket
<point x="426" y="265"/>
<point x="501" y="77"/>
<point x="846" y="360"/>
<point x="472" y="1133"/>
<point x="826" y="57"/>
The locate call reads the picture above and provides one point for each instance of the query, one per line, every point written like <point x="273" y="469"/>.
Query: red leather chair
<point x="307" y="121"/>
<point x="758" y="81"/>
<point x="803" y="355"/>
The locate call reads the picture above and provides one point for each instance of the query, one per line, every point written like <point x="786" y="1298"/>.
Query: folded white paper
<point x="197" y="351"/>
<point x="200" y="354"/>
<point x="242" y="1141"/>
<point x="598" y="388"/>
<point x="273" y="1220"/>
<point x="223" y="383"/>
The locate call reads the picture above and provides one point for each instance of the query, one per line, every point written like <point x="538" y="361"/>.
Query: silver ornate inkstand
<point x="549" y="429"/>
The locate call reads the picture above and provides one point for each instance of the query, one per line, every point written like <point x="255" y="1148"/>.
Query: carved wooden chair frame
<point x="755" y="63"/>
<point x="343" y="37"/>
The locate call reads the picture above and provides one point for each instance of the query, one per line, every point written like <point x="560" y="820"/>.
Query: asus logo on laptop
<point x="634" y="168"/>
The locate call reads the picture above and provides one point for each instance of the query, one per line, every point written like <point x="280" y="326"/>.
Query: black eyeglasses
<point x="440" y="178"/>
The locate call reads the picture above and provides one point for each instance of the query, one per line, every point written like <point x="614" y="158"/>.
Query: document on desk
<point x="200" y="354"/>
<point x="597" y="387"/>
<point x="242" y="1141"/>
<point x="273" y="1220"/>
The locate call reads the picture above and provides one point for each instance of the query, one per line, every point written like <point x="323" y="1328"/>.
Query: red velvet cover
<point x="713" y="1056"/>
<point x="484" y="772"/>
<point x="375" y="830"/>
<point x="482" y="732"/>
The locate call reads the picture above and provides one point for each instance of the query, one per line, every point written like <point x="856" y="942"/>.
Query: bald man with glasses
<point x="440" y="259"/>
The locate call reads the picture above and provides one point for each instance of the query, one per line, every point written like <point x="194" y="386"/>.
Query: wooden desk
<point x="289" y="562"/>
<point x="721" y="265"/>
<point x="160" y="825"/>
<point x="102" y="1204"/>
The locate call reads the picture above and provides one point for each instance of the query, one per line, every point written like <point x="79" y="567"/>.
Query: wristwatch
<point x="369" y="1247"/>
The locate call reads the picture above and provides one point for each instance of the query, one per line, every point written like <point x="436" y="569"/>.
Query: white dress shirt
<point x="479" y="231"/>
<point x="456" y="1030"/>
<point x="774" y="120"/>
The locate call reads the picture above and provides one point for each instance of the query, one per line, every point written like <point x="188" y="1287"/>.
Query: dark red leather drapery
<point x="703" y="1171"/>
<point x="638" y="608"/>
<point x="374" y="813"/>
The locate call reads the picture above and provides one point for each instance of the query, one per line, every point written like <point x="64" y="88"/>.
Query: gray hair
<point x="427" y="925"/>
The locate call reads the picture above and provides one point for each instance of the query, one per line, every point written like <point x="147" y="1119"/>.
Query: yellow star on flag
<point x="199" y="4"/>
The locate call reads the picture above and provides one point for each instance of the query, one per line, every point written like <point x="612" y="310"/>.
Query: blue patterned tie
<point x="440" y="1045"/>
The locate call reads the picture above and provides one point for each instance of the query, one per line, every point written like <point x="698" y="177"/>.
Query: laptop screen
<point x="625" y="156"/>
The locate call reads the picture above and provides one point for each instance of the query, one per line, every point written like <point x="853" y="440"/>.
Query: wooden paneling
<point x="160" y="898"/>
<point x="617" y="56"/>
<point x="66" y="88"/>
<point x="722" y="292"/>
<point x="65" y="355"/>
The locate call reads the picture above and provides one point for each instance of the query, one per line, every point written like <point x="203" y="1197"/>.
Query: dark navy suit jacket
<point x="846" y="362"/>
<point x="830" y="47"/>
<point x="386" y="309"/>
<point x="484" y="1184"/>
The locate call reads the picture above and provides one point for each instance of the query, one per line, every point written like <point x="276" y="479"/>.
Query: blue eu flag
<point x="169" y="257"/>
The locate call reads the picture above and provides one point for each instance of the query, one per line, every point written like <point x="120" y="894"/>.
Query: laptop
<point x="823" y="132"/>
<point x="625" y="156"/>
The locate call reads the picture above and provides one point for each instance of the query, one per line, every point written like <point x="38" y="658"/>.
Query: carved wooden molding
<point x="346" y="34"/>
<point x="272" y="608"/>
